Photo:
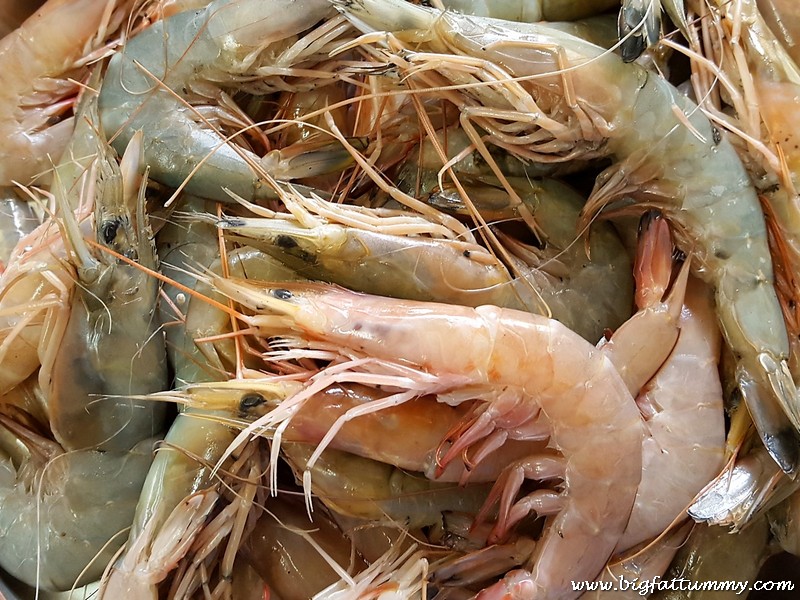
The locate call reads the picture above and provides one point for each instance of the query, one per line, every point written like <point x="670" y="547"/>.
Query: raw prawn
<point x="202" y="534"/>
<point x="422" y="268"/>
<point x="761" y="84"/>
<point x="207" y="561"/>
<point x="517" y="363"/>
<point x="542" y="93"/>
<point x="177" y="489"/>
<point x="148" y="83"/>
<point x="665" y="344"/>
<point x="377" y="252"/>
<point x="36" y="62"/>
<point x="111" y="347"/>
<point x="150" y="557"/>
<point x="683" y="428"/>
<point x="63" y="514"/>
<point x="368" y="489"/>
<point x="648" y="338"/>
<point x="240" y="402"/>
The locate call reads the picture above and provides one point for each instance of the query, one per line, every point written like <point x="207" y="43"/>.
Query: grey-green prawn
<point x="543" y="94"/>
<point x="149" y="84"/>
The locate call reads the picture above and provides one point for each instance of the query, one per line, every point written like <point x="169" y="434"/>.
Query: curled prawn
<point x="516" y="363"/>
<point x="63" y="513"/>
<point x="36" y="62"/>
<point x="543" y="94"/>
<point x="149" y="83"/>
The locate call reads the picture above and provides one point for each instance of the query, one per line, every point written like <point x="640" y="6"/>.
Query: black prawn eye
<point x="282" y="294"/>
<point x="251" y="400"/>
<point x="108" y="230"/>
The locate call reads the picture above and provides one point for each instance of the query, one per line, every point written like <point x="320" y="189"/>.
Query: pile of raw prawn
<point x="345" y="299"/>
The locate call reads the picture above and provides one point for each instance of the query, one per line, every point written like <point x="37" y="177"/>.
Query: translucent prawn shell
<point x="489" y="351"/>
<point x="60" y="521"/>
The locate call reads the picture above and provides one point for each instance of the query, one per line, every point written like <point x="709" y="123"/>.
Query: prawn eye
<point x="251" y="400"/>
<point x="282" y="294"/>
<point x="108" y="230"/>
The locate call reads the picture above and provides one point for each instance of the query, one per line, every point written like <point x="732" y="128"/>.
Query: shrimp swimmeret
<point x="520" y="364"/>
<point x="543" y="94"/>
